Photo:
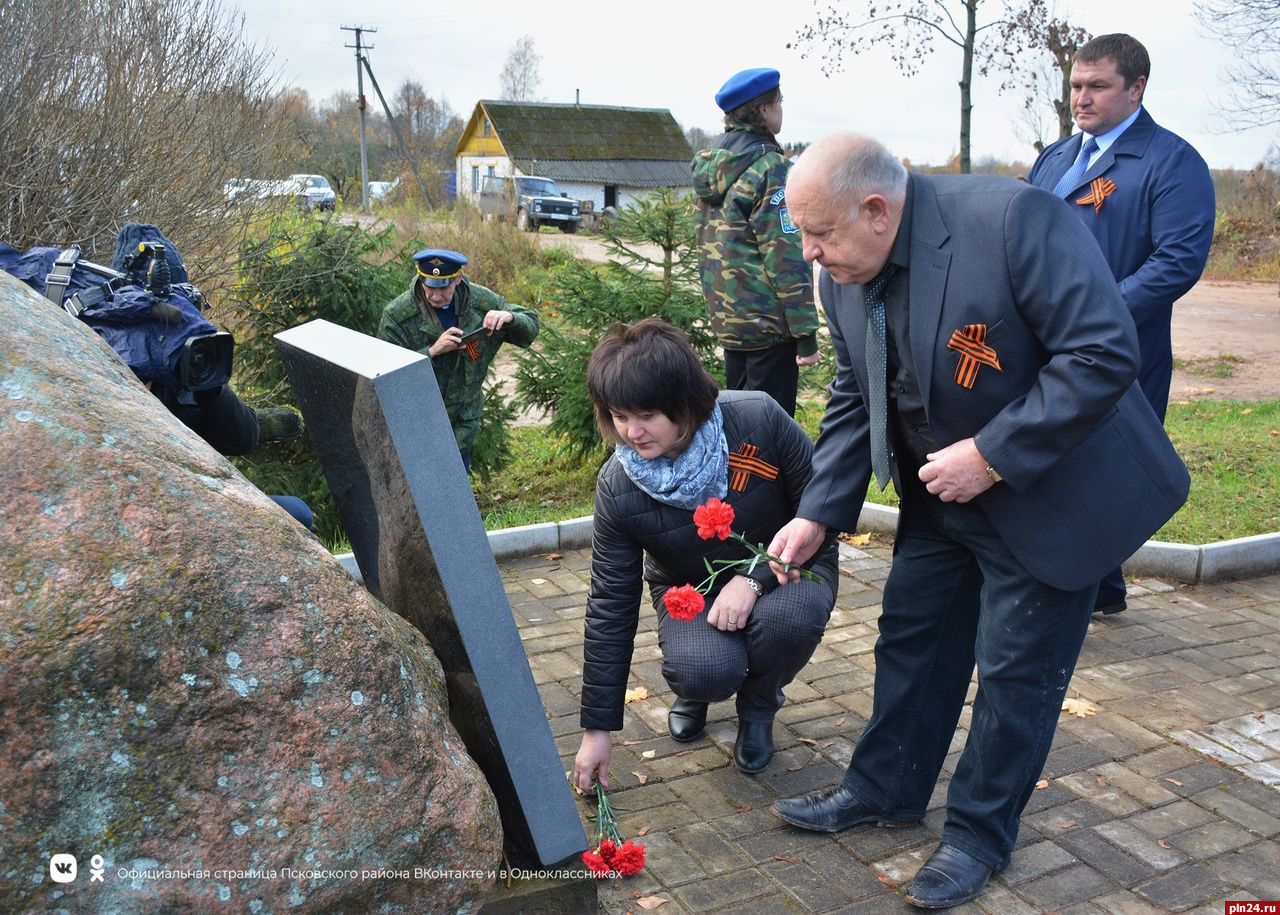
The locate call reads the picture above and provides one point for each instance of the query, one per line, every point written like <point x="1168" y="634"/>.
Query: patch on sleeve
<point x="778" y="197"/>
<point x="788" y="226"/>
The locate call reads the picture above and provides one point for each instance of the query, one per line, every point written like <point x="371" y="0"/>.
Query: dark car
<point x="530" y="202"/>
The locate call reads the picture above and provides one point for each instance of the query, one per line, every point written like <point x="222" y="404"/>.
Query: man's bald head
<point x="849" y="167"/>
<point x="846" y="193"/>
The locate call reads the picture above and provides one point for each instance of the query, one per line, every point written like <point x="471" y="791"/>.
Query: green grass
<point x="537" y="486"/>
<point x="1232" y="449"/>
<point x="1221" y="366"/>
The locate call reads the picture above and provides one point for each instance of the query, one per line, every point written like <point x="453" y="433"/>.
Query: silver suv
<point x="315" y="188"/>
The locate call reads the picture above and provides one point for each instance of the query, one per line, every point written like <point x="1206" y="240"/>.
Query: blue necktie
<point x="877" y="396"/>
<point x="1077" y="170"/>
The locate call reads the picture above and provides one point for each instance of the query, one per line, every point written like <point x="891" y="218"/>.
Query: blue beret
<point x="744" y="86"/>
<point x="438" y="267"/>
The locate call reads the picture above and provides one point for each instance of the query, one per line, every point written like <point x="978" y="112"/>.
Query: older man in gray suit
<point x="987" y="362"/>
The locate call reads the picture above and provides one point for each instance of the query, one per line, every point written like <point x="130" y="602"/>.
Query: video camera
<point x="143" y="306"/>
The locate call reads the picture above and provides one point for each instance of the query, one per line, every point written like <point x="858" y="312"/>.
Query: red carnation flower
<point x="684" y="602"/>
<point x="612" y="857"/>
<point x="629" y="859"/>
<point x="598" y="865"/>
<point x="713" y="519"/>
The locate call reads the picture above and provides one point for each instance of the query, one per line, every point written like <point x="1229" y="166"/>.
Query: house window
<point x="475" y="179"/>
<point x="488" y="128"/>
<point x="491" y="171"/>
<point x="611" y="196"/>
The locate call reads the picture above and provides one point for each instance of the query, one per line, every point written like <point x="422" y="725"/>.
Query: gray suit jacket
<point x="1089" y="472"/>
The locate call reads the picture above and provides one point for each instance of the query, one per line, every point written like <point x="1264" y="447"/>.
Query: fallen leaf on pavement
<point x="640" y="777"/>
<point x="1066" y="824"/>
<point x="886" y="881"/>
<point x="1102" y="782"/>
<point x="785" y="858"/>
<point x="650" y="902"/>
<point x="840" y="721"/>
<point x="1174" y="781"/>
<point x="648" y="754"/>
<point x="552" y="557"/>
<point x="538" y="581"/>
<point x="635" y="695"/>
<point x="1081" y="708"/>
<point x="1043" y="783"/>
<point x="643" y="832"/>
<point x="1163" y="844"/>
<point x="810" y="741"/>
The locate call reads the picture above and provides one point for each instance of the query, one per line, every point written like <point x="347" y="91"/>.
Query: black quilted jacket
<point x="637" y="539"/>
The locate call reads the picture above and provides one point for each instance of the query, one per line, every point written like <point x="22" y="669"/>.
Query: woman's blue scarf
<point x="697" y="474"/>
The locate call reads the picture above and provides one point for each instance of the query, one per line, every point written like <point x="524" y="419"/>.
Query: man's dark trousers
<point x="771" y="369"/>
<point x="955" y="596"/>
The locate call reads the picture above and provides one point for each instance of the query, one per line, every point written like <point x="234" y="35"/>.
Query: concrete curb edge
<point x="1247" y="557"/>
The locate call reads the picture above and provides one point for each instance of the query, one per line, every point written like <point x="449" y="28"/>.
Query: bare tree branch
<point x="1035" y="49"/>
<point x="130" y="110"/>
<point x="1251" y="29"/>
<point x="519" y="77"/>
<point x="908" y="27"/>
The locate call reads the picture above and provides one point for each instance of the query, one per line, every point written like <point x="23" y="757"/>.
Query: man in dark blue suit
<point x="1147" y="197"/>
<point x="993" y="376"/>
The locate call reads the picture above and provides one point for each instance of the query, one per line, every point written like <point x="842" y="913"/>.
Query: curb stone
<point x="1226" y="560"/>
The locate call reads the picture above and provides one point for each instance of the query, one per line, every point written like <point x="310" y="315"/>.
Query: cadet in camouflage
<point x="758" y="287"/>
<point x="432" y="316"/>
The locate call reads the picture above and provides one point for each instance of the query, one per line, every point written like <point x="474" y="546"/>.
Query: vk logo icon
<point x="62" y="868"/>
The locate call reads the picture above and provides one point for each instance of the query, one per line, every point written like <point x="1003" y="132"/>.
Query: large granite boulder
<point x="191" y="687"/>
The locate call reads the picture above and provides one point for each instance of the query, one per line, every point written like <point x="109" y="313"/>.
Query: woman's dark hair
<point x="650" y="366"/>
<point x="749" y="112"/>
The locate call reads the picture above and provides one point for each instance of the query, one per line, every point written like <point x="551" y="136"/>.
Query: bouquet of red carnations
<point x="611" y="857"/>
<point x="714" y="519"/>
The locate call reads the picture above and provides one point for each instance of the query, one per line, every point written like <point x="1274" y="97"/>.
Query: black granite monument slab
<point x="374" y="415"/>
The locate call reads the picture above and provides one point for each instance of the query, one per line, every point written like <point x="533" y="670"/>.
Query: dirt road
<point x="1239" y="320"/>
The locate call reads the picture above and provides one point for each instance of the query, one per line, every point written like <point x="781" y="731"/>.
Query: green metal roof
<point x="545" y="131"/>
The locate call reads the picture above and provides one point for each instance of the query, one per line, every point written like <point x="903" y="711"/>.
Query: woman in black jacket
<point x="678" y="445"/>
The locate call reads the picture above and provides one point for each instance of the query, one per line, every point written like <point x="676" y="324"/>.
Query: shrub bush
<point x="589" y="298"/>
<point x="299" y="268"/>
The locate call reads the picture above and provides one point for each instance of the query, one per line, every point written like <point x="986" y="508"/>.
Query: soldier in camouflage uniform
<point x="758" y="288"/>
<point x="432" y="316"/>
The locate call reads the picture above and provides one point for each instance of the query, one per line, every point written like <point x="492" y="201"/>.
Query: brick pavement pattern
<point x="1167" y="799"/>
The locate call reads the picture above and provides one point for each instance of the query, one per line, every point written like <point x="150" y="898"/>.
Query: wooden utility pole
<point x="362" y="105"/>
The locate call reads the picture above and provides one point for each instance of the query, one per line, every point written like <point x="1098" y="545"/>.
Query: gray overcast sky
<point x="675" y="54"/>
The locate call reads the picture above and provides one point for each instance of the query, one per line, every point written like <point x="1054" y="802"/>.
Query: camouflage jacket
<point x="758" y="288"/>
<point x="410" y="321"/>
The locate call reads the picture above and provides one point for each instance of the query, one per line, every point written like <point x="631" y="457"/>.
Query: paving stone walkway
<point x="1167" y="799"/>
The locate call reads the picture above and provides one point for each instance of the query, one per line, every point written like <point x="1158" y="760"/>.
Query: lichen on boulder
<point x="191" y="686"/>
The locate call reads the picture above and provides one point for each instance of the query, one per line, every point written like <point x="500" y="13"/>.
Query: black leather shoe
<point x="1109" y="609"/>
<point x="831" y="811"/>
<point x="754" y="747"/>
<point x="687" y="720"/>
<point x="948" y="878"/>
